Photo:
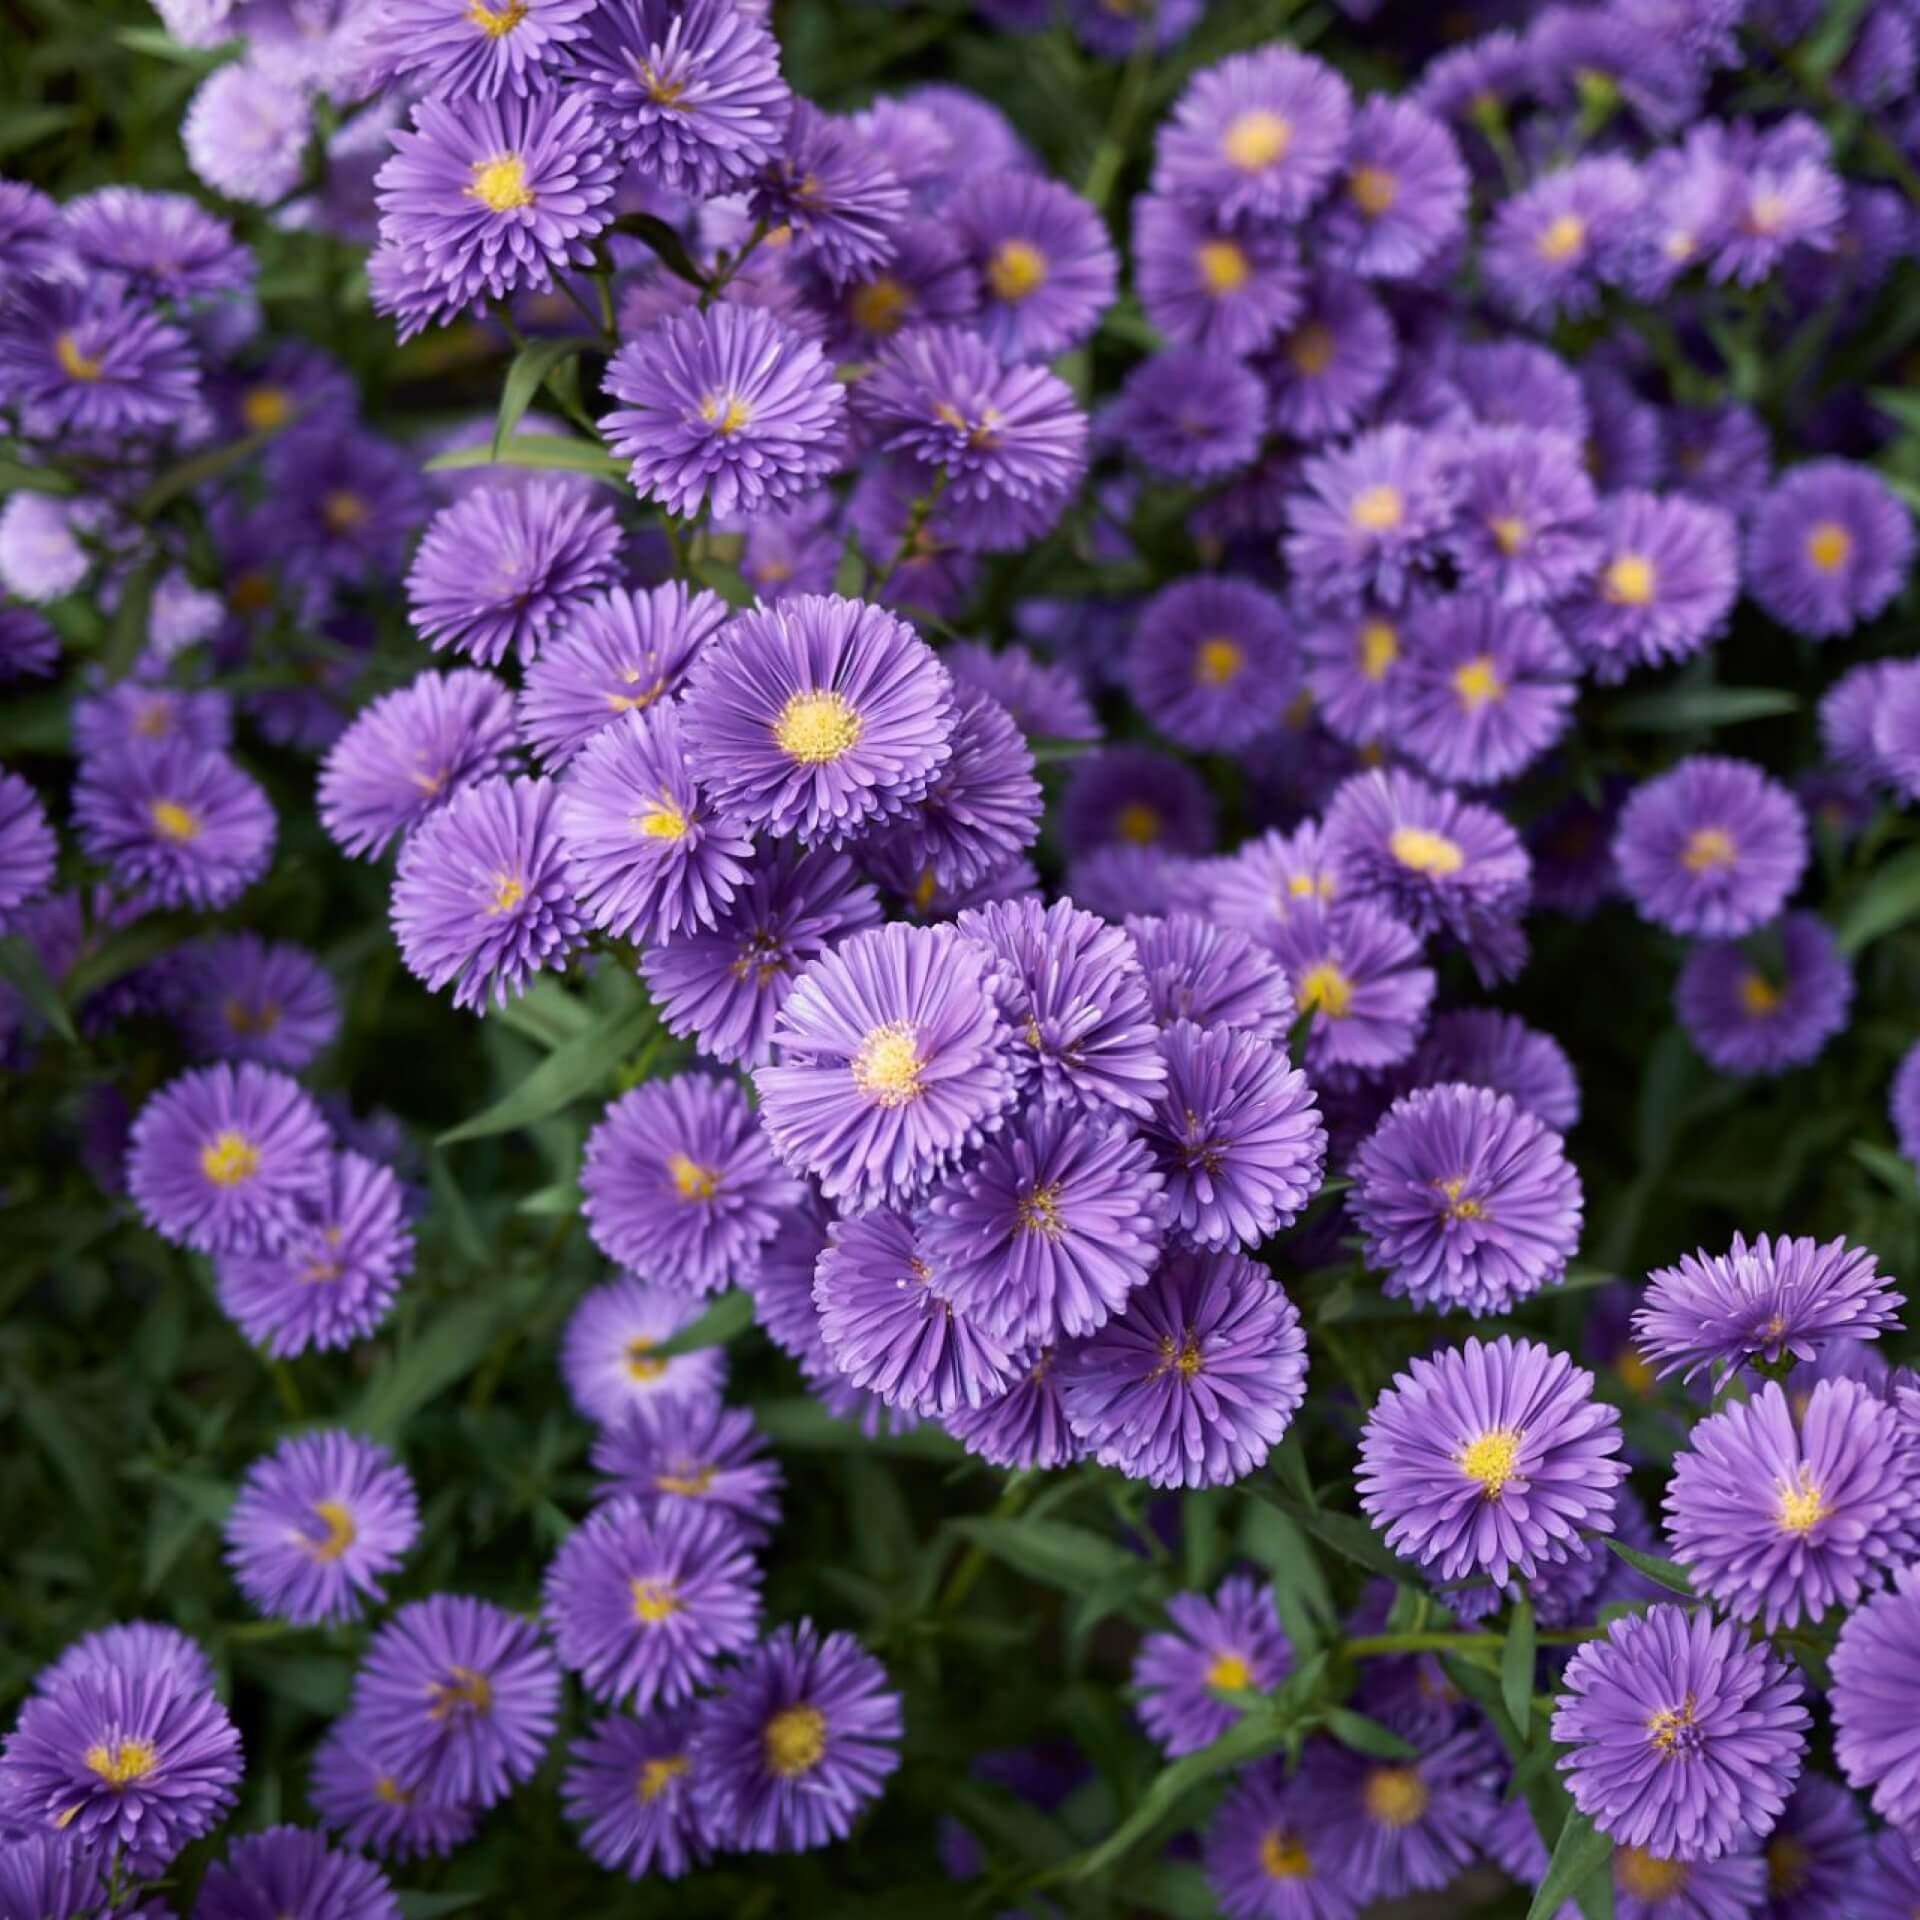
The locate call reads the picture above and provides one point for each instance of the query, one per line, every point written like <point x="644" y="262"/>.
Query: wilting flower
<point x="1047" y="270"/>
<point x="1829" y="546"/>
<point x="1767" y="1005"/>
<point x="1403" y="202"/>
<point x="1232" y="1640"/>
<point x="707" y="1456"/>
<point x="1212" y="662"/>
<point x="1876" y="1686"/>
<point x="289" y="1870"/>
<point x="629" y="1788"/>
<point x="1208" y="283"/>
<point x="609" y="1362"/>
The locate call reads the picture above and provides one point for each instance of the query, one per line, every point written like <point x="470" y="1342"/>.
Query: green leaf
<point x="1903" y="406"/>
<point x="1661" y="1572"/>
<point x="70" y="1452"/>
<point x="16" y="477"/>
<point x="1583" y="1855"/>
<point x="191" y="474"/>
<point x="318" y="1682"/>
<point x="727" y="581"/>
<point x="583" y="1065"/>
<point x="1828" y="44"/>
<point x="441" y="1350"/>
<point x="1368" y="1736"/>
<point x="20" y="964"/>
<point x="549" y="452"/>
<point x="1893" y="1168"/>
<point x="1350" y="1538"/>
<point x="1516" y="1666"/>
<point x="1050" y="1551"/>
<point x="127" y="631"/>
<point x="1685" y="709"/>
<point x="804" y="1425"/>
<point x="1890" y="898"/>
<point x="430" y="1906"/>
<point x="28" y="126"/>
<point x="850" y="575"/>
<point x="666" y="242"/>
<point x="530" y="368"/>
<point x="1171" y="1886"/>
<point x="450" y="1205"/>
<point x="725" y="1319"/>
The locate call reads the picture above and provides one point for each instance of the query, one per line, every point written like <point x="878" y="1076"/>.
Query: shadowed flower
<point x="93" y="362"/>
<point x="706" y="1456"/>
<point x="1526" y="506"/>
<point x="1550" y="249"/>
<point x="831" y="187"/>
<point x="1232" y="1640"/>
<point x="292" y="1874"/>
<point x="1026" y="1426"/>
<point x="1047" y="270"/>
<point x="1875" y="1701"/>
<point x="244" y="998"/>
<point x="1213" y="662"/>
<point x="1491" y="1049"/>
<point x="1136" y="797"/>
<point x="609" y="1362"/>
<point x="1263" y="1863"/>
<point x="351" y="1791"/>
<point x="1213" y="975"/>
<point x="28" y="849"/>
<point x="1770" y="1004"/>
<point x="1330" y="366"/>
<point x="1403" y="203"/>
<point x="1187" y="414"/>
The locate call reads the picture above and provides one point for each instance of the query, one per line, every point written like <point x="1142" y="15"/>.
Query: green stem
<point x="723" y="276"/>
<point x="1111" y="154"/>
<point x="973" y="1563"/>
<point x="288" y="1389"/>
<point x="917" y="517"/>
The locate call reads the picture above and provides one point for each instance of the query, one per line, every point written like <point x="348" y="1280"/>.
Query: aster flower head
<point x="1213" y="662"/>
<point x="1137" y="798"/>
<point x="132" y="1647"/>
<point x="1552" y="246"/>
<point x="1490" y="1458"/>
<point x="1258" y="137"/>
<point x="291" y="1871"/>
<point x="728" y="408"/>
<point x="1849" y="714"/>
<point x="1765" y="1298"/>
<point x="132" y="714"/>
<point x="458" y="1698"/>
<point x="1829" y="546"/>
<point x="1818" y="1859"/>
<point x="1367" y="518"/>
<point x="1196" y="1381"/>
<point x="1263" y="1863"/>
<point x="409" y="753"/>
<point x="1722" y="455"/>
<point x="802" y="1737"/>
<point x="160" y="245"/>
<point x="478" y="50"/>
<point x="630" y="1790"/>
<point x="1353" y="660"/>
<point x="1525" y="506"/>
<point x="1046" y="269"/>
<point x="481" y="900"/>
<point x="180" y="826"/>
<point x="1330" y="366"/>
<point x="1520" y="383"/>
<point x="244" y="998"/>
<point x="334" y="1276"/>
<point x="609" y="1362"/>
<point x="45" y="1875"/>
<point x="1232" y="1639"/>
<point x="833" y="189"/>
<point x="1896" y="729"/>
<point x="27" y="845"/>
<point x="1356" y="970"/>
<point x="29" y="230"/>
<point x="1712" y="847"/>
<point x="1024" y="1427"/>
<point x="352" y="1792"/>
<point x="928" y="282"/>
<point x="1187" y="414"/>
<point x="1213" y="975"/>
<point x="1875" y="1670"/>
<point x="94" y="360"/>
<point x="1500" y="1051"/>
<point x="1207" y="283"/>
<point x="1769" y="1004"/>
<point x="1403" y="203"/>
<point x="705" y="1456"/>
<point x="1786" y="196"/>
<point x="1686" y="1736"/>
<point x="42" y="555"/>
<point x="29" y="647"/>
<point x="222" y="1157"/>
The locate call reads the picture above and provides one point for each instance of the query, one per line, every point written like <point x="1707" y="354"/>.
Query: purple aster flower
<point x="646" y="1606"/>
<point x="1849" y="714"/>
<point x="608" y="1360"/>
<point x="1209" y="284"/>
<point x="1888" y="1886"/>
<point x="928" y="283"/>
<point x="1075" y="998"/>
<point x="832" y="188"/>
<point x="1779" y="1516"/>
<point x="244" y="998"/>
<point x="630" y="1790"/>
<point x="182" y="827"/>
<point x="729" y="408"/>
<point x="141" y="1761"/>
<point x="458" y="1699"/>
<point x="1817" y="1859"/>
<point x="1876" y="1682"/>
<point x="1896" y="729"/>
<point x="489" y="197"/>
<point x="123" y="717"/>
<point x="1024" y="1427"/>
<point x="1188" y="414"/>
<point x="1196" y="1381"/>
<point x="29" y="647"/>
<point x="1212" y="975"/>
<point x="1491" y="1458"/>
<point x="1113" y="29"/>
<point x="502" y="567"/>
<point x="1048" y="1230"/>
<point x="1329" y="368"/>
<point x="1769" y="1004"/>
<point x="317" y="1523"/>
<point x="817" y="716"/>
<point x="1232" y="1640"/>
<point x="726" y="988"/>
<point x="1046" y="269"/>
<point x="1667" y="578"/>
<point x="1262" y="1863"/>
<point x="706" y="1456"/>
<point x="1551" y="247"/>
<point x="351" y="1791"/>
<point x="27" y="845"/>
<point x="1712" y="847"/>
<point x="161" y="245"/>
<point x="1138" y="797"/>
<point x="1786" y="195"/>
<point x="1519" y="383"/>
<point x="1357" y="971"/>
<point x="481" y="901"/>
<point x="1353" y="657"/>
<point x="1213" y="662"/>
<point x="411" y="752"/>
<point x="798" y="1742"/>
<point x="1525" y="507"/>
<point x="44" y="544"/>
<point x="471" y="49"/>
<point x="246" y="133"/>
<point x="1721" y="455"/>
<point x="1403" y="204"/>
<point x="1268" y="878"/>
<point x="333" y="1277"/>
<point x="222" y="1157"/>
<point x="91" y="359"/>
<point x="288" y="1873"/>
<point x="46" y="1876"/>
<point x="1829" y="546"/>
<point x="889" y="1328"/>
<point x="134" y="1648"/>
<point x="1497" y="1050"/>
<point x="1686" y="1736"/>
<point x="1903" y="1104"/>
<point x="1257" y="137"/>
<point x="30" y="239"/>
<point x="1368" y="517"/>
<point x="353" y="503"/>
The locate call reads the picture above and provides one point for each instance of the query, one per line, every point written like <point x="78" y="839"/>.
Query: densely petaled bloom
<point x="1256" y="137"/>
<point x="799" y="1740"/>
<point x="92" y="360"/>
<point x="1046" y="699"/>
<point x="645" y="1606"/>
<point x="1328" y="370"/>
<point x="46" y="1876"/>
<point x="692" y="93"/>
<point x="1552" y="246"/>
<point x="895" y="1063"/>
<point x="142" y="1761"/>
<point x="30" y="649"/>
<point x="1353" y="662"/>
<point x="502" y="567"/>
<point x="183" y="827"/>
<point x="478" y="48"/>
<point x="1466" y="1199"/>
<point x="1213" y="975"/>
<point x="1187" y="414"/>
<point x="1896" y="729"/>
<point x="489" y="197"/>
<point x="1816" y="1861"/>
<point x="246" y="133"/>
<point x="1686" y="1736"/>
<point x="1205" y="282"/>
<point x="1498" y="1050"/>
<point x="710" y="1456"/>
<point x="1828" y="547"/>
<point x="481" y="900"/>
<point x="648" y="856"/>
<point x="333" y="1277"/>
<point x="831" y="186"/>
<point x="817" y="716"/>
<point x="1849" y="713"/>
<point x="123" y="717"/>
<point x="608" y="1360"/>
<point x="1490" y="1458"/>
<point x="27" y="846"/>
<point x="1667" y="575"/>
<point x="409" y="753"/>
<point x="1213" y="662"/>
<point x="1047" y="270"/>
<point x="1367" y="517"/>
<point x="1875" y="1699"/>
<point x="1026" y="1426"/>
<point x="1785" y="194"/>
<point x="629" y="1788"/>
<point x="620" y="652"/>
<point x="352" y="1791"/>
<point x="1714" y="847"/>
<point x="243" y="998"/>
<point x="1778" y="1513"/>
<point x="1049" y="1229"/>
<point x="1231" y="1640"/>
<point x="1525" y="505"/>
<point x="728" y="408"/>
<point x="221" y="1159"/>
<point x="928" y="282"/>
<point x="1262" y="1861"/>
<point x="317" y="1524"/>
<point x="1139" y="798"/>
<point x="1403" y="202"/>
<point x="42" y="556"/>
<point x="29" y="230"/>
<point x="1196" y="1381"/>
<point x="1722" y="455"/>
<point x="1888" y="1885"/>
<point x="1357" y="971"/>
<point x="1771" y="1004"/>
<point x="135" y="1647"/>
<point x="290" y="1873"/>
<point x="889" y="1328"/>
<point x="163" y="245"/>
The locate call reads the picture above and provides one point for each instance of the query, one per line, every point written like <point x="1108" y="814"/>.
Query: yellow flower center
<point x="661" y="821"/>
<point x="1310" y="348"/>
<point x="1829" y="546"/>
<point x="654" y="1601"/>
<point x="695" y="1482"/>
<point x="241" y="1018"/>
<point x="1424" y="851"/>
<point x="387" y="1788"/>
<point x="725" y="413"/>
<point x="251" y="592"/>
<point x="172" y="821"/>
<point x="496" y="25"/>
<point x="1461" y="1205"/>
<point x="1256" y="138"/>
<point x="642" y="1362"/>
<point x="1218" y="661"/>
<point x="229" y="1158"/>
<point x="1707" y="849"/>
<point x="662" y="90"/>
<point x="1229" y="1670"/>
<point x="153" y="720"/>
<point x="1636" y="1375"/>
<point x="508" y="892"/>
<point x="343" y="510"/>
<point x="1374" y="190"/>
<point x="888" y="1067"/>
<point x="463" y="1687"/>
<point x="879" y="306"/>
<point x="1016" y="269"/>
<point x="1478" y="684"/>
<point x="73" y="363"/>
<point x="656" y="1776"/>
<point x="1137" y="823"/>
<point x="1564" y="239"/>
<point x="1628" y="581"/>
<point x="1802" y="1507"/>
<point x="691" y="1180"/>
<point x="1395" y="1796"/>
<point x="817" y="728"/>
<point x="1039" y="1212"/>
<point x="500" y="184"/>
<point x="1758" y="995"/>
<point x="1377" y="509"/>
<point x="1223" y="266"/>
<point x="121" y="1762"/>
<point x="1646" y="1876"/>
<point x="1509" y="532"/>
<point x="1670" y="1725"/>
<point x="341" y="1532"/>
<point x="795" y="1740"/>
<point x="264" y="408"/>
<point x="1282" y="1857"/>
<point x="1492" y="1460"/>
<point x="1789" y="1865"/>
<point x="1765" y="211"/>
<point x="1379" y="649"/>
<point x="1325" y="989"/>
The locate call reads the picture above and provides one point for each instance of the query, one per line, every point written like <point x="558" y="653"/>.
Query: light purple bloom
<point x="90" y="360"/>
<point x="1026" y="1426"/>
<point x="1213" y="975"/>
<point x="630" y="1789"/>
<point x="833" y="188"/>
<point x="1896" y="729"/>
<point x="1525" y="508"/>
<point x="1213" y="662"/>
<point x="1875" y="1692"/>
<point x="134" y="1648"/>
<point x="161" y="245"/>
<point x="1047" y="270"/>
<point x="1849" y="716"/>
<point x="468" y="48"/>
<point x="1490" y="1049"/>
<point x="706" y="1456"/>
<point x="131" y="713"/>
<point x="1138" y="797"/>
<point x="1354" y="659"/>
<point x="1232" y="1640"/>
<point x="1769" y="1004"/>
<point x="1552" y="246"/>
<point x="246" y="133"/>
<point x="244" y="998"/>
<point x="1207" y="283"/>
<point x="28" y="849"/>
<point x="1829" y="546"/>
<point x="1519" y="383"/>
<point x="1356" y="970"/>
<point x="1329" y="368"/>
<point x="1264" y="1863"/>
